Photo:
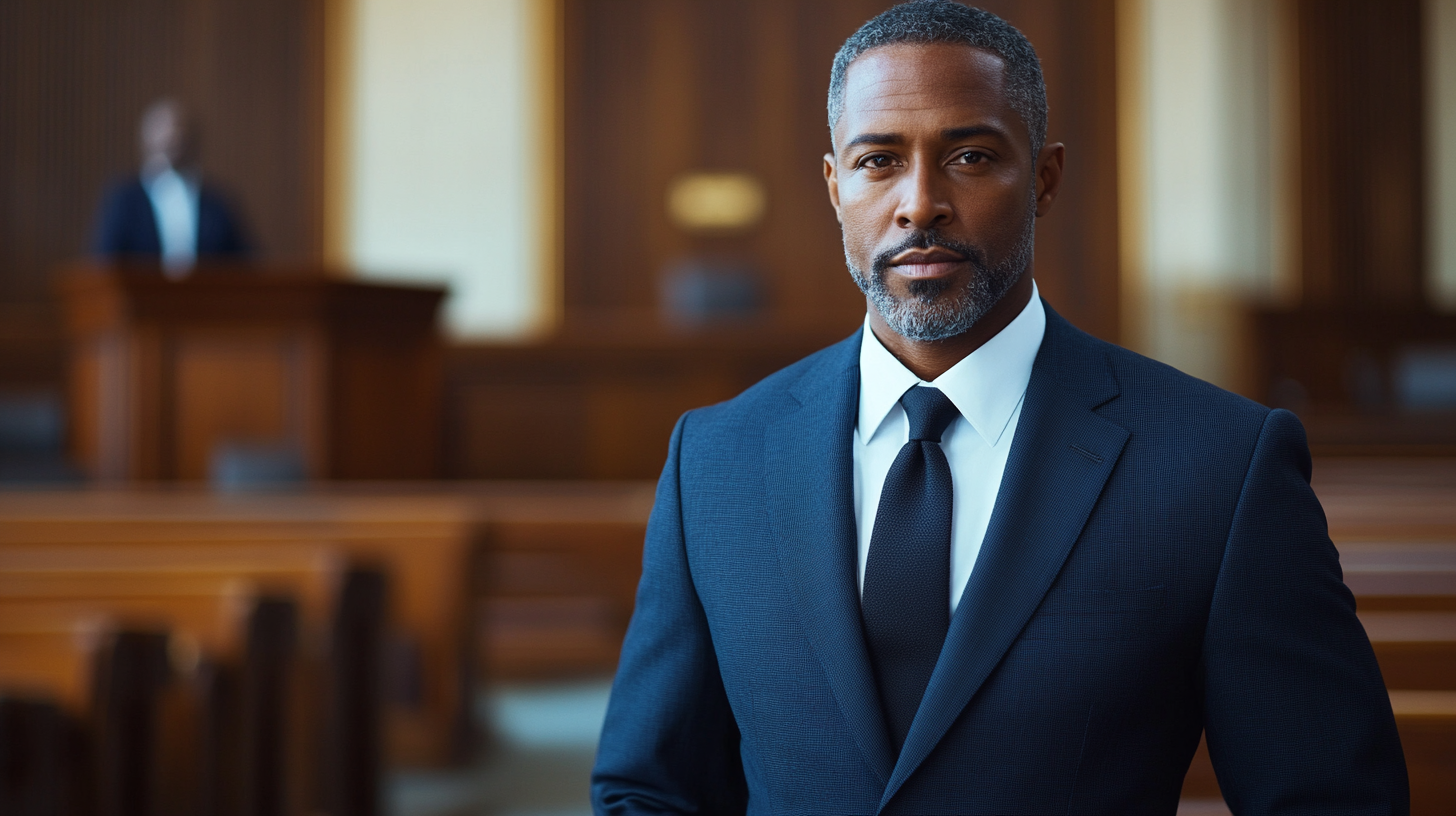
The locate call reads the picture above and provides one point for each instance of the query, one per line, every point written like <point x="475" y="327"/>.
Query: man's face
<point x="165" y="134"/>
<point x="934" y="184"/>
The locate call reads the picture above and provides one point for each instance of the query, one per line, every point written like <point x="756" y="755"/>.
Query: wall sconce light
<point x="716" y="202"/>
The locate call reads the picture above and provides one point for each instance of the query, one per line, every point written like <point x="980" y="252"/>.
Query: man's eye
<point x="876" y="162"/>
<point x="971" y="157"/>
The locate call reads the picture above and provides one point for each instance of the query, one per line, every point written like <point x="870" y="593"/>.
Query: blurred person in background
<point x="166" y="212"/>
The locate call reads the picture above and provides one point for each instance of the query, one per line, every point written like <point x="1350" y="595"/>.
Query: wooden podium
<point x="342" y="376"/>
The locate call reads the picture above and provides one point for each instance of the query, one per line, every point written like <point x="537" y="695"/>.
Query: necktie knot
<point x="929" y="411"/>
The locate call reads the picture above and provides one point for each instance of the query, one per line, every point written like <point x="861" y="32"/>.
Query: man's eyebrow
<point x="950" y="135"/>
<point x="876" y="139"/>
<point x="954" y="134"/>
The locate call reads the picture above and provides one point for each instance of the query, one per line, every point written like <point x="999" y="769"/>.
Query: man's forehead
<point x="905" y="78"/>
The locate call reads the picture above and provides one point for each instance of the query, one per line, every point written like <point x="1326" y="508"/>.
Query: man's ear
<point x="831" y="178"/>
<point x="1049" y="176"/>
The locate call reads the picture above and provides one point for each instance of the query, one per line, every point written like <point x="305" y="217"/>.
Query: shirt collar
<point x="166" y="174"/>
<point x="985" y="386"/>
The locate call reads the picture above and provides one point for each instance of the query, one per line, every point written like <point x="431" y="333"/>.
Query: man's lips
<point x="931" y="263"/>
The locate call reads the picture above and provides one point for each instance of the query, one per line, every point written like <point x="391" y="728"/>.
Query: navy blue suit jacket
<point x="1156" y="565"/>
<point x="127" y="224"/>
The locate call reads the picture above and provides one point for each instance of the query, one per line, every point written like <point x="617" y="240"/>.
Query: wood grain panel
<point x="596" y="405"/>
<point x="1362" y="155"/>
<point x="234" y="388"/>
<point x="344" y="372"/>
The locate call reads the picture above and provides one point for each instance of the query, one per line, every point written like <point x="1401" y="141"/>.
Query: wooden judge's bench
<point x="166" y="375"/>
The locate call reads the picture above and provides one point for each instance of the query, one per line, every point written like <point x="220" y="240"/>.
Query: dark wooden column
<point x="1362" y="153"/>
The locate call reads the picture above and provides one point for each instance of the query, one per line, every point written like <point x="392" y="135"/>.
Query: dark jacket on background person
<point x="127" y="225"/>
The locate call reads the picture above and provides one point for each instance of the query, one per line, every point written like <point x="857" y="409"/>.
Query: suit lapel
<point x="1060" y="459"/>
<point x="810" y="479"/>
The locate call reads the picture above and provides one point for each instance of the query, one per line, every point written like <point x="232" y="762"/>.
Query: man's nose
<point x="924" y="203"/>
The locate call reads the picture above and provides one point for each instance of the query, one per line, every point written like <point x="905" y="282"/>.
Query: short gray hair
<point x="923" y="22"/>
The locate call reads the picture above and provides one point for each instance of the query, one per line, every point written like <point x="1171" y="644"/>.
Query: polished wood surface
<point x="166" y="373"/>
<point x="1376" y="501"/>
<point x="1427" y="721"/>
<point x="556" y="596"/>
<point x="598" y="403"/>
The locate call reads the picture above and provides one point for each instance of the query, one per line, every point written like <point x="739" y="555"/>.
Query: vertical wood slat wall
<point x="74" y="77"/>
<point x="655" y="88"/>
<point x="661" y="87"/>
<point x="1362" y="153"/>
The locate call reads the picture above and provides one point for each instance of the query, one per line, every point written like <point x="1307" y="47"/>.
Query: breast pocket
<point x="1097" y="614"/>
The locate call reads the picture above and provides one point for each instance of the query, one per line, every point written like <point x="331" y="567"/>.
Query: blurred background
<point x="340" y="341"/>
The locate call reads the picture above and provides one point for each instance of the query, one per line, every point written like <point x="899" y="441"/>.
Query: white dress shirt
<point x="175" y="204"/>
<point x="987" y="387"/>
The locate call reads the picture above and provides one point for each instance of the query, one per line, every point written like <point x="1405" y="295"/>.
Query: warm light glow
<point x="716" y="201"/>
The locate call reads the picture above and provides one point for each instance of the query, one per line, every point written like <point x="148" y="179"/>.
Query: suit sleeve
<point x="669" y="744"/>
<point x="1296" y="713"/>
<point x="221" y="230"/>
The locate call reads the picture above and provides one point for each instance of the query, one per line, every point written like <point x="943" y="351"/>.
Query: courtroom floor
<point x="545" y="737"/>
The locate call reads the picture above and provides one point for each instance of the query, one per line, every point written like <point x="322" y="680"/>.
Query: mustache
<point x="929" y="239"/>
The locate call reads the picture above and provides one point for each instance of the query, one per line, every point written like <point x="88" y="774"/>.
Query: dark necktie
<point x="906" y="598"/>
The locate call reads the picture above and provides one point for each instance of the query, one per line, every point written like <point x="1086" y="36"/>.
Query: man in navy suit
<point x="971" y="559"/>
<point x="166" y="212"/>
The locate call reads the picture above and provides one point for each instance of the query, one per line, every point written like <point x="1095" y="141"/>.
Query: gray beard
<point x="931" y="312"/>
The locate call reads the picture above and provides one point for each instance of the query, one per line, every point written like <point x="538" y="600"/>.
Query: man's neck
<point x="928" y="359"/>
<point x="158" y="165"/>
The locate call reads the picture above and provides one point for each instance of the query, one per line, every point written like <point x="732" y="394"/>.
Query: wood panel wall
<point x="595" y="404"/>
<point x="1362" y="156"/>
<point x="662" y="87"/>
<point x="1335" y="357"/>
<point x="74" y="77"/>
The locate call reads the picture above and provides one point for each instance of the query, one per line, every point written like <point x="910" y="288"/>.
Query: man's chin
<point x="920" y="291"/>
<point x="927" y="322"/>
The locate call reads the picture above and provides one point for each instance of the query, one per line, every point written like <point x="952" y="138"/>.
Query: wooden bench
<point x="557" y="580"/>
<point x="1401" y="575"/>
<point x="242" y="725"/>
<point x="425" y="542"/>
<point x="1416" y="650"/>
<point x="431" y="539"/>
<point x="557" y="596"/>
<point x="1427" y="724"/>
<point x="148" y="714"/>
<point x="44" y="762"/>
